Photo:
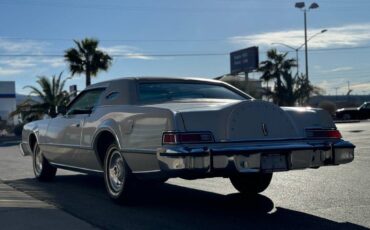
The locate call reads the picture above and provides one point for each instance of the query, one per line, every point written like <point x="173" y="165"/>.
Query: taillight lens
<point x="324" y="133"/>
<point x="170" y="138"/>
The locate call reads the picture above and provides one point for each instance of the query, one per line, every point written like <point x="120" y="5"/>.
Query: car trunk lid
<point x="242" y="120"/>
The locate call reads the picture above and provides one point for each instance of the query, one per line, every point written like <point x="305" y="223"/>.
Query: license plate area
<point x="274" y="162"/>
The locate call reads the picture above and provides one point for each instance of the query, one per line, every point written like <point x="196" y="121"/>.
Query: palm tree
<point x="86" y="58"/>
<point x="278" y="69"/>
<point x="51" y="94"/>
<point x="304" y="90"/>
<point x="288" y="90"/>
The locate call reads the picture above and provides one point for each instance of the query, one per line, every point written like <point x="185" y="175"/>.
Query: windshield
<point x="161" y="92"/>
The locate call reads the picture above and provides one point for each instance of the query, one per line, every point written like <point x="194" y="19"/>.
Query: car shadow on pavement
<point x="168" y="206"/>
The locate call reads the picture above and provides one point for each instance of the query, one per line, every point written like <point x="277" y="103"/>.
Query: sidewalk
<point x="20" y="211"/>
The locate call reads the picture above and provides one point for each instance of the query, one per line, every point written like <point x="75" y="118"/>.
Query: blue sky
<point x="144" y="27"/>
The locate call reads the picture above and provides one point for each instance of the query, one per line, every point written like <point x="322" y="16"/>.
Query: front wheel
<point x="118" y="178"/>
<point x="251" y="183"/>
<point x="42" y="169"/>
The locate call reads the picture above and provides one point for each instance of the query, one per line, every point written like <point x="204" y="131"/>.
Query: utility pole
<point x="349" y="90"/>
<point x="336" y="94"/>
<point x="348" y="86"/>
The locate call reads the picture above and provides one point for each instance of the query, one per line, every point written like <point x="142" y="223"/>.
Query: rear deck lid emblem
<point x="264" y="129"/>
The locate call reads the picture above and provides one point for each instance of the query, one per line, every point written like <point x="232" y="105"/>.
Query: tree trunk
<point x="88" y="78"/>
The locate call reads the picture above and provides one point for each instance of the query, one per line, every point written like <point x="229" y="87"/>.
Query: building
<point x="7" y="101"/>
<point x="249" y="85"/>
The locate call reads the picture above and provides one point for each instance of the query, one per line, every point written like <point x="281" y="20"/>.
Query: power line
<point x="122" y="55"/>
<point x="123" y="40"/>
<point x="175" y="54"/>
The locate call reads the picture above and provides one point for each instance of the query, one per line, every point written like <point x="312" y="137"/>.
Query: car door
<point x="64" y="132"/>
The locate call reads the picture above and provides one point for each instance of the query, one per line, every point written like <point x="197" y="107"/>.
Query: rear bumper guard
<point x="255" y="158"/>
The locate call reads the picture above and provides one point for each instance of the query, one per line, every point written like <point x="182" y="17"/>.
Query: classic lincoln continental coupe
<point x="137" y="130"/>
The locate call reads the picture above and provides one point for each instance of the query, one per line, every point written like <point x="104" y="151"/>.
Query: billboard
<point x="244" y="60"/>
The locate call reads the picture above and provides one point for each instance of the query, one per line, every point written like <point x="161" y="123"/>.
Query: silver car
<point x="137" y="129"/>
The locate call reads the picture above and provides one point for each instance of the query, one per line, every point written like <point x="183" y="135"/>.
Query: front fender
<point x="28" y="130"/>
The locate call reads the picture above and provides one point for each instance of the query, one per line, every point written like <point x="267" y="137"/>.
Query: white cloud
<point x="335" y="70"/>
<point x="14" y="65"/>
<point x="361" y="87"/>
<point x="18" y="62"/>
<point x="10" y="71"/>
<point x="21" y="46"/>
<point x="53" y="62"/>
<point x="349" y="35"/>
<point x="342" y="88"/>
<point x="340" y="69"/>
<point x="129" y="52"/>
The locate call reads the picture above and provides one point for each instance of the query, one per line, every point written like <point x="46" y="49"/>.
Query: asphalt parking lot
<point x="326" y="198"/>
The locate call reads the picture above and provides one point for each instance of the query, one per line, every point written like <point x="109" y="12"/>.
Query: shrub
<point x="17" y="130"/>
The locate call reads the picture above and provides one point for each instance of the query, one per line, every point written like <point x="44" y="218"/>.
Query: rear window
<point x="161" y="92"/>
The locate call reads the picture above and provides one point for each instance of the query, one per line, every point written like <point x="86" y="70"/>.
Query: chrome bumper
<point x="254" y="157"/>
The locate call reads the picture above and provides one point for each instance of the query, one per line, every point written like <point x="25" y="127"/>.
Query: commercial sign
<point x="244" y="60"/>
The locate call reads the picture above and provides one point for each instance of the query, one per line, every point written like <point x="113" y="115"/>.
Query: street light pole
<point x="305" y="41"/>
<point x="299" y="47"/>
<point x="302" y="6"/>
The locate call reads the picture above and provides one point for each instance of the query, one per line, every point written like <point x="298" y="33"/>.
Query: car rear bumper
<point x="247" y="158"/>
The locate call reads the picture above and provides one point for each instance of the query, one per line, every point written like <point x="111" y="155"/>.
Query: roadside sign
<point x="244" y="60"/>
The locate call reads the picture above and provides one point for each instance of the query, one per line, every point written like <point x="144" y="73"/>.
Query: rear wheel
<point x="251" y="183"/>
<point x="42" y="169"/>
<point x="118" y="178"/>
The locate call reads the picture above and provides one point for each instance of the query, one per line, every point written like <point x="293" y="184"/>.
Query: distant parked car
<point x="362" y="112"/>
<point x="137" y="129"/>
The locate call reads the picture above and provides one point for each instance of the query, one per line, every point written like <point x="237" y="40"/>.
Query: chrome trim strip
<point x="265" y="139"/>
<point x="148" y="171"/>
<point x="66" y="145"/>
<point x="74" y="168"/>
<point x="142" y="151"/>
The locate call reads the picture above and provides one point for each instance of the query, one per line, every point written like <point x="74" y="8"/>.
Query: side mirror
<point x="61" y="109"/>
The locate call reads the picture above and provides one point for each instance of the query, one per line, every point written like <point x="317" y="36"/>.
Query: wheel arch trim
<point x="96" y="137"/>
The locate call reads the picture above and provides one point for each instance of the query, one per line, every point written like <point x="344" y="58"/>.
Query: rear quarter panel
<point x="138" y="131"/>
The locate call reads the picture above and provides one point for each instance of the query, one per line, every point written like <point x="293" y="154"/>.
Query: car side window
<point x="85" y="102"/>
<point x="367" y="106"/>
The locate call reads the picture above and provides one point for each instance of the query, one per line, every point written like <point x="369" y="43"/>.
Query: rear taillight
<point x="323" y="133"/>
<point x="170" y="138"/>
